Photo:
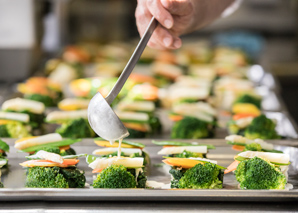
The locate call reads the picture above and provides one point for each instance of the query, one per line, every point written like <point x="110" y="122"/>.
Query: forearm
<point x="206" y="11"/>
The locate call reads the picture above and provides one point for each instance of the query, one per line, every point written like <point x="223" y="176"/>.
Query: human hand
<point x="176" y="17"/>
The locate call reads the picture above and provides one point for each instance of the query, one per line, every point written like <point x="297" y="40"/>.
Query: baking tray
<point x="14" y="179"/>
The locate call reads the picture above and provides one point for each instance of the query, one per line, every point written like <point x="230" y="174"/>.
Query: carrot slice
<point x="2" y="151"/>
<point x="182" y="162"/>
<point x="238" y="148"/>
<point x="97" y="170"/>
<point x="243" y="115"/>
<point x="140" y="78"/>
<point x="64" y="147"/>
<point x="176" y="117"/>
<point x="167" y="146"/>
<point x="232" y="167"/>
<point x="70" y="161"/>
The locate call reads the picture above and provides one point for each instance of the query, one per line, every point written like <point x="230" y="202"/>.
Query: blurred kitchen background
<point x="33" y="30"/>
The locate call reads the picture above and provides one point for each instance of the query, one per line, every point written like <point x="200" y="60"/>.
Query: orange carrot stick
<point x="238" y="148"/>
<point x="232" y="167"/>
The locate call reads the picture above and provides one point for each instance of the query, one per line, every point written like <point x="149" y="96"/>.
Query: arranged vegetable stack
<point x="128" y="149"/>
<point x="4" y="147"/>
<point x="50" y="170"/>
<point x="114" y="172"/>
<point x="260" y="170"/>
<point x="53" y="143"/>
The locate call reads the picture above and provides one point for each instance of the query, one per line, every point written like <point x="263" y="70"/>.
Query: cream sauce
<point x="119" y="147"/>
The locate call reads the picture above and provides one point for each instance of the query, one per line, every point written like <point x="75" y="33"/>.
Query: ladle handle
<point x="132" y="61"/>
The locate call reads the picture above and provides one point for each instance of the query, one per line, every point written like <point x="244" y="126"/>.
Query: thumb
<point x="178" y="7"/>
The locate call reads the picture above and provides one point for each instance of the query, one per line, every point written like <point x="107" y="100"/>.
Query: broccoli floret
<point x="141" y="180"/>
<point x="45" y="177"/>
<point x="202" y="176"/>
<point x="54" y="177"/>
<point x="191" y="128"/>
<point x="3" y="132"/>
<point x="257" y="173"/>
<point x="136" y="134"/>
<point x="14" y="129"/>
<point x="36" y="120"/>
<point x="55" y="150"/>
<point x="261" y="127"/>
<point x="253" y="147"/>
<point x="69" y="151"/>
<point x="115" y="177"/>
<point x="155" y="124"/>
<point x="74" y="177"/>
<point x="246" y="98"/>
<point x="187" y="154"/>
<point x="78" y="128"/>
<point x="47" y="100"/>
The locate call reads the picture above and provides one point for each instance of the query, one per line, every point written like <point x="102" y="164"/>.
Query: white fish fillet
<point x="15" y="116"/>
<point x="102" y="163"/>
<point x="272" y="157"/>
<point x="145" y="106"/>
<point x="45" y="139"/>
<point x="106" y="151"/>
<point x="134" y="116"/>
<point x="180" y="149"/>
<point x="49" y="156"/>
<point x="66" y="115"/>
<point x="20" y="104"/>
<point x="82" y="103"/>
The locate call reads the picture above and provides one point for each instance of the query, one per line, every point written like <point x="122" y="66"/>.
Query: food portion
<point x="128" y="149"/>
<point x="50" y="170"/>
<point x="72" y="104"/>
<point x="253" y="127"/>
<point x="41" y="89"/>
<point x="35" y="110"/>
<point x="241" y="143"/>
<point x="53" y="143"/>
<point x="193" y="121"/>
<point x="260" y="170"/>
<point x="118" y="172"/>
<point x="183" y="150"/>
<point x="195" y="173"/>
<point x="14" y="125"/>
<point x="74" y="124"/>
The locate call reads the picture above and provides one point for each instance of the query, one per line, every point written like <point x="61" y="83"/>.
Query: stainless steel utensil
<point x="101" y="116"/>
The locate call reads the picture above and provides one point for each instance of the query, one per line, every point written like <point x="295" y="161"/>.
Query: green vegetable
<point x="124" y="142"/>
<point x="78" y="128"/>
<point x="55" y="177"/>
<point x="201" y="176"/>
<point x="136" y="134"/>
<point x="257" y="173"/>
<point x="155" y="125"/>
<point x="14" y="129"/>
<point x="177" y="143"/>
<point x="261" y="127"/>
<point x="115" y="177"/>
<point x="239" y="158"/>
<point x="246" y="98"/>
<point x="66" y="152"/>
<point x="191" y="128"/>
<point x="47" y="100"/>
<point x="3" y="131"/>
<point x="4" y="146"/>
<point x="253" y="147"/>
<point x="187" y="154"/>
<point x="90" y="158"/>
<point x="54" y="149"/>
<point x="1" y="185"/>
<point x="65" y="142"/>
<point x="36" y="120"/>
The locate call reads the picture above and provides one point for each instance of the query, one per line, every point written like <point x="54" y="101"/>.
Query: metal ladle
<point x="103" y="120"/>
